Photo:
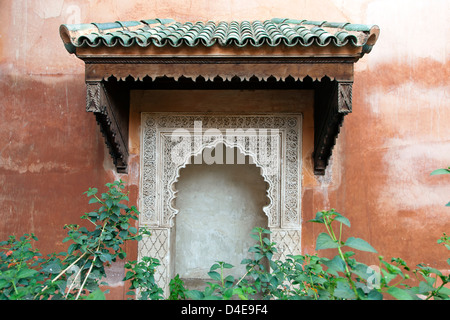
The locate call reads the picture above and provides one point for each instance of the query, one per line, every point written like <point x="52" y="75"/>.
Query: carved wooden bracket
<point x="331" y="75"/>
<point x="109" y="101"/>
<point x="110" y="108"/>
<point x="333" y="100"/>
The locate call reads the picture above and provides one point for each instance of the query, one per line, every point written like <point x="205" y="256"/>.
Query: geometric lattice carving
<point x="157" y="246"/>
<point x="345" y="97"/>
<point x="287" y="242"/>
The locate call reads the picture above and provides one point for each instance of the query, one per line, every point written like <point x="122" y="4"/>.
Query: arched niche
<point x="169" y="141"/>
<point x="219" y="199"/>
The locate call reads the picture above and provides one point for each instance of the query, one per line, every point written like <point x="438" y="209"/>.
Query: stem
<point x="312" y="285"/>
<point x="14" y="285"/>
<point x="221" y="274"/>
<point x="93" y="260"/>
<point x="64" y="271"/>
<point x="85" y="278"/>
<point x="333" y="237"/>
<point x="433" y="293"/>
<point x="74" y="280"/>
<point x="242" y="278"/>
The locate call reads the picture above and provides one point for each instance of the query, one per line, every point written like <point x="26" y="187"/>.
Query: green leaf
<point x="103" y="215"/>
<point x="132" y="230"/>
<point x="214" y="267"/>
<point x="214" y="275"/>
<point x="344" y="291"/>
<point x="195" y="295"/>
<point x="91" y="191"/>
<point x="342" y="219"/>
<point x="425" y="287"/>
<point x="93" y="200"/>
<point x="255" y="236"/>
<point x="129" y="275"/>
<point x="26" y="273"/>
<point x="359" y="244"/>
<point x="71" y="248"/>
<point x="375" y="295"/>
<point x="440" y="171"/>
<point x="96" y="295"/>
<point x="258" y="256"/>
<point x="123" y="234"/>
<point x="104" y="257"/>
<point x="324" y="241"/>
<point x="444" y="290"/>
<point x="400" y="294"/>
<point x="3" y="283"/>
<point x="318" y="218"/>
<point x="53" y="267"/>
<point x="335" y="265"/>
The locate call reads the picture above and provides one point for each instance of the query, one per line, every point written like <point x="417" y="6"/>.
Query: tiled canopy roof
<point x="167" y="32"/>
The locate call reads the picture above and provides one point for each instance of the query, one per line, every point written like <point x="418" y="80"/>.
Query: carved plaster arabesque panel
<point x="159" y="174"/>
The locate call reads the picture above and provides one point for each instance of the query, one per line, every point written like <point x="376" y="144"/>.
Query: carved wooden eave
<point x="131" y="52"/>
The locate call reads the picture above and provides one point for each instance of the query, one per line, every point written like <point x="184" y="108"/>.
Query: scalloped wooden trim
<point x="262" y="71"/>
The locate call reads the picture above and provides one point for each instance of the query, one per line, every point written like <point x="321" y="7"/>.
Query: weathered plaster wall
<point x="51" y="150"/>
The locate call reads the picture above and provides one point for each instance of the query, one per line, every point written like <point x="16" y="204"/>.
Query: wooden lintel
<point x="333" y="69"/>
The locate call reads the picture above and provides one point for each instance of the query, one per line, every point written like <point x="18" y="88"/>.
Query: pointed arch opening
<point x="218" y="205"/>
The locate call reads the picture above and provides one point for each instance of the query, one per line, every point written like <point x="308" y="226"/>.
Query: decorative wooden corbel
<point x="333" y="101"/>
<point x="113" y="121"/>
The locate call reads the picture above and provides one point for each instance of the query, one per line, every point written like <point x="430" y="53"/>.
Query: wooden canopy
<point x="282" y="53"/>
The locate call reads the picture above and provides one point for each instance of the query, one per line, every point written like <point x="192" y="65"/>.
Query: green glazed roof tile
<point x="167" y="32"/>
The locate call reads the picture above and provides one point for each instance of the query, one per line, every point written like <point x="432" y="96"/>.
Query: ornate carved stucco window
<point x="280" y="54"/>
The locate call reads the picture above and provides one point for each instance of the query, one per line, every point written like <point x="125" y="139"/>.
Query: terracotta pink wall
<point x="51" y="150"/>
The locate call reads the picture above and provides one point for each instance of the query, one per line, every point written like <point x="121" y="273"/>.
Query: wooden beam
<point x="336" y="69"/>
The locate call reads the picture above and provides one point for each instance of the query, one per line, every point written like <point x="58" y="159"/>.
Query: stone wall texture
<point x="51" y="149"/>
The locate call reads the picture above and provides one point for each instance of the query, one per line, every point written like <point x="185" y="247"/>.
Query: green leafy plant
<point x="77" y="273"/>
<point x="222" y="288"/>
<point x="354" y="273"/>
<point x="142" y="277"/>
<point x="18" y="274"/>
<point x="433" y="281"/>
<point x="177" y="289"/>
<point x="257" y="279"/>
<point x="320" y="278"/>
